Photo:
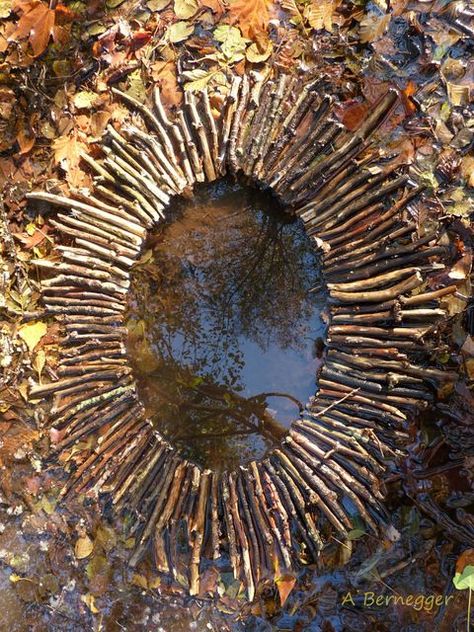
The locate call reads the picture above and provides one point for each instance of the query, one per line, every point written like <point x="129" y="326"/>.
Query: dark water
<point x="222" y="314"/>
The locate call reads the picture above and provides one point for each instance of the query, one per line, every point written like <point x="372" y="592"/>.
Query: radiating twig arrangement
<point x="279" y="133"/>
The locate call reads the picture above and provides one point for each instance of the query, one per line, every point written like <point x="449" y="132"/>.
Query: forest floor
<point x="65" y="569"/>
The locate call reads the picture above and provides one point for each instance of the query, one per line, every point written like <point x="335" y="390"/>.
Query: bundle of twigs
<point x="377" y="374"/>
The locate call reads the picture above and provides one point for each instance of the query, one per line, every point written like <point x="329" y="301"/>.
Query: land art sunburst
<point x="279" y="132"/>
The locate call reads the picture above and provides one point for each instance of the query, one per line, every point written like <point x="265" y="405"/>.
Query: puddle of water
<point x="220" y="316"/>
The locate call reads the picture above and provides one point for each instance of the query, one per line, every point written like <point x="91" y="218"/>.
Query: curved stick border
<point x="281" y="134"/>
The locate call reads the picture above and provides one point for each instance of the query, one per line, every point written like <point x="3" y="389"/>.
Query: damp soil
<point x="225" y="324"/>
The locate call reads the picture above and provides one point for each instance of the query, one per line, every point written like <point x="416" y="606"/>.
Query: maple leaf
<point x="251" y="17"/>
<point x="39" y="24"/>
<point x="67" y="153"/>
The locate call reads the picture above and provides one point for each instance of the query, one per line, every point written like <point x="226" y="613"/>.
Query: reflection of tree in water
<point x="229" y="271"/>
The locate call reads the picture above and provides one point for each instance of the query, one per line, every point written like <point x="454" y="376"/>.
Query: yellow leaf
<point x="179" y="31"/>
<point x="85" y="99"/>
<point x="14" y="578"/>
<point x="319" y="14"/>
<point x="39" y="362"/>
<point x="32" y="333"/>
<point x="467" y="169"/>
<point x="89" y="600"/>
<point x="140" y="580"/>
<point x="256" y="54"/>
<point x="84" y="547"/>
<point x="185" y="9"/>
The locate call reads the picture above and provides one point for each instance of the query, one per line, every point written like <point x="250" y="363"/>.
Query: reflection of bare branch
<point x="287" y="395"/>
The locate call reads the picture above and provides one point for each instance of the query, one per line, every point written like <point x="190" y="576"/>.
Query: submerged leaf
<point x="84" y="547"/>
<point x="285" y="585"/>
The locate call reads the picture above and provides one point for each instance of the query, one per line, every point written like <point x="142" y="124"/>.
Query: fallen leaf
<point x="259" y="51"/>
<point x="32" y="333"/>
<point x="252" y="17"/>
<point x="373" y="26"/>
<point x="85" y="99"/>
<point x="319" y="14"/>
<point x="179" y="31"/>
<point x="164" y="73"/>
<point x="232" y="43"/>
<point x="185" y="9"/>
<point x="37" y="23"/>
<point x="467" y="169"/>
<point x="84" y="547"/>
<point x="5" y="8"/>
<point x="157" y="5"/>
<point x="39" y="362"/>
<point x="285" y="585"/>
<point x="67" y="151"/>
<point x="294" y="10"/>
<point x="197" y="79"/>
<point x="89" y="600"/>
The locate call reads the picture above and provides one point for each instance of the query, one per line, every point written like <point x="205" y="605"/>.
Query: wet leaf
<point x="32" y="333"/>
<point x="285" y="585"/>
<point x="373" y="26"/>
<point x="179" y="31"/>
<point x="355" y="534"/>
<point x="84" y="547"/>
<point x="89" y="600"/>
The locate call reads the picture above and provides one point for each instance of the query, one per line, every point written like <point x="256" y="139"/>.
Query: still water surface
<point x="223" y="313"/>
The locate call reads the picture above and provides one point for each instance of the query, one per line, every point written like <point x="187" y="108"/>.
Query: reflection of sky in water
<point x="280" y="370"/>
<point x="226" y="297"/>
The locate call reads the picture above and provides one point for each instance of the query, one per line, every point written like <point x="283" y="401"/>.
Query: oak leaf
<point x="251" y="17"/>
<point x="38" y="23"/>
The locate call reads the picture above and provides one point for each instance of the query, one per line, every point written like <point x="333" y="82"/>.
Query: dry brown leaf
<point x="39" y="23"/>
<point x="251" y="17"/>
<point x="164" y="72"/>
